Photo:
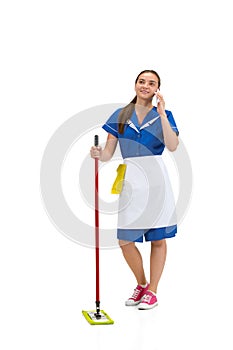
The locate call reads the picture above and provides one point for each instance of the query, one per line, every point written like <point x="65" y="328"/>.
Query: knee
<point x="158" y="244"/>
<point x="126" y="245"/>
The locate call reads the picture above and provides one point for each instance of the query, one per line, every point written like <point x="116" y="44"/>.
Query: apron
<point x="146" y="200"/>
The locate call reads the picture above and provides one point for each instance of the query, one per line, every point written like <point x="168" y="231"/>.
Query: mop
<point x="97" y="317"/>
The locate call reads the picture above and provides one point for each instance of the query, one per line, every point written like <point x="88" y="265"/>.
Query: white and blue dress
<point x="146" y="203"/>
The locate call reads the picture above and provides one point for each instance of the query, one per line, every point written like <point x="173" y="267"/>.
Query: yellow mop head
<point x="97" y="319"/>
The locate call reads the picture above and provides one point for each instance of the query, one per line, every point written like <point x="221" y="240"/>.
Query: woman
<point x="146" y="203"/>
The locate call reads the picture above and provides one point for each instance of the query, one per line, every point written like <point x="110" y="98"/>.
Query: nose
<point x="146" y="85"/>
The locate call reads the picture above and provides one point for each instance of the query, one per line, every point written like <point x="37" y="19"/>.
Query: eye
<point x="153" y="83"/>
<point x="141" y="81"/>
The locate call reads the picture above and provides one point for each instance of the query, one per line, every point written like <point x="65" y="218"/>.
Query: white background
<point x="59" y="58"/>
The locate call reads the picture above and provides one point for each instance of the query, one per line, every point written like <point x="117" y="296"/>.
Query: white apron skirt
<point x="147" y="199"/>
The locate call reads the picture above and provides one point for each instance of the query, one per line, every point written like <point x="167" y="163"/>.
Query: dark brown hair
<point x="127" y="111"/>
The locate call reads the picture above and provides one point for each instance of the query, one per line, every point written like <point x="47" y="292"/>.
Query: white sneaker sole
<point x="144" y="306"/>
<point x="128" y="303"/>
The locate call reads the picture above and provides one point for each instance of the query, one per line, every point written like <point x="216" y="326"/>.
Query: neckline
<point x="152" y="113"/>
<point x="147" y="110"/>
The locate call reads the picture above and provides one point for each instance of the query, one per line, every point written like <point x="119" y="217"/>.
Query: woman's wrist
<point x="163" y="115"/>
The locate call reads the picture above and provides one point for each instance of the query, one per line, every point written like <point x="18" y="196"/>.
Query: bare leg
<point x="157" y="262"/>
<point x="134" y="260"/>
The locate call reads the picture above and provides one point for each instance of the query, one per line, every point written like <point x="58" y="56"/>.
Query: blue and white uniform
<point x="146" y="203"/>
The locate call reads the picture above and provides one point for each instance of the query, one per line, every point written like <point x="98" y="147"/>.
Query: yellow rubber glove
<point x="118" y="183"/>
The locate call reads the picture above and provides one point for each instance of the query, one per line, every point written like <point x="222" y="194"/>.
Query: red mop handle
<point x="96" y="143"/>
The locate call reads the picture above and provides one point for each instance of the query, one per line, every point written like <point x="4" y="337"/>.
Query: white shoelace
<point x="146" y="298"/>
<point x="135" y="293"/>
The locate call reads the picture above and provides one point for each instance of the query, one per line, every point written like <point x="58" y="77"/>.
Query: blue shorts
<point x="154" y="234"/>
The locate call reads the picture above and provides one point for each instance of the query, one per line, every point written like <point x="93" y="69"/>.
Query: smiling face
<point x="146" y="85"/>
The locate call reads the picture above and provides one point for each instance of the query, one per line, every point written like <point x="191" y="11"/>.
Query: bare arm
<point x="105" y="154"/>
<point x="171" y="140"/>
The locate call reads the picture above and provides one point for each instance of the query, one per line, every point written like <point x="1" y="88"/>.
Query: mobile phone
<point x="157" y="98"/>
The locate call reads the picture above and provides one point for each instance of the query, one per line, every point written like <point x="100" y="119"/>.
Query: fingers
<point x="160" y="99"/>
<point x="95" y="152"/>
<point x="159" y="96"/>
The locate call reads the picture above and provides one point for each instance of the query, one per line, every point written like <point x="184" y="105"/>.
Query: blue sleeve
<point x="111" y="125"/>
<point x="172" y="122"/>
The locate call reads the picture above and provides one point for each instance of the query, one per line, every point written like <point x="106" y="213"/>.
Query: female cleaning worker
<point x="146" y="202"/>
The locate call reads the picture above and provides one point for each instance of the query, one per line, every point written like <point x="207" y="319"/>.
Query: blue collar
<point x="149" y="119"/>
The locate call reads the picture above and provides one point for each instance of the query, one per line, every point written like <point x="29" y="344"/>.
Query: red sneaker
<point x="137" y="296"/>
<point x="149" y="300"/>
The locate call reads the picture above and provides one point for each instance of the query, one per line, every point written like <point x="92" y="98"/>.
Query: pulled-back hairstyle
<point x="127" y="111"/>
